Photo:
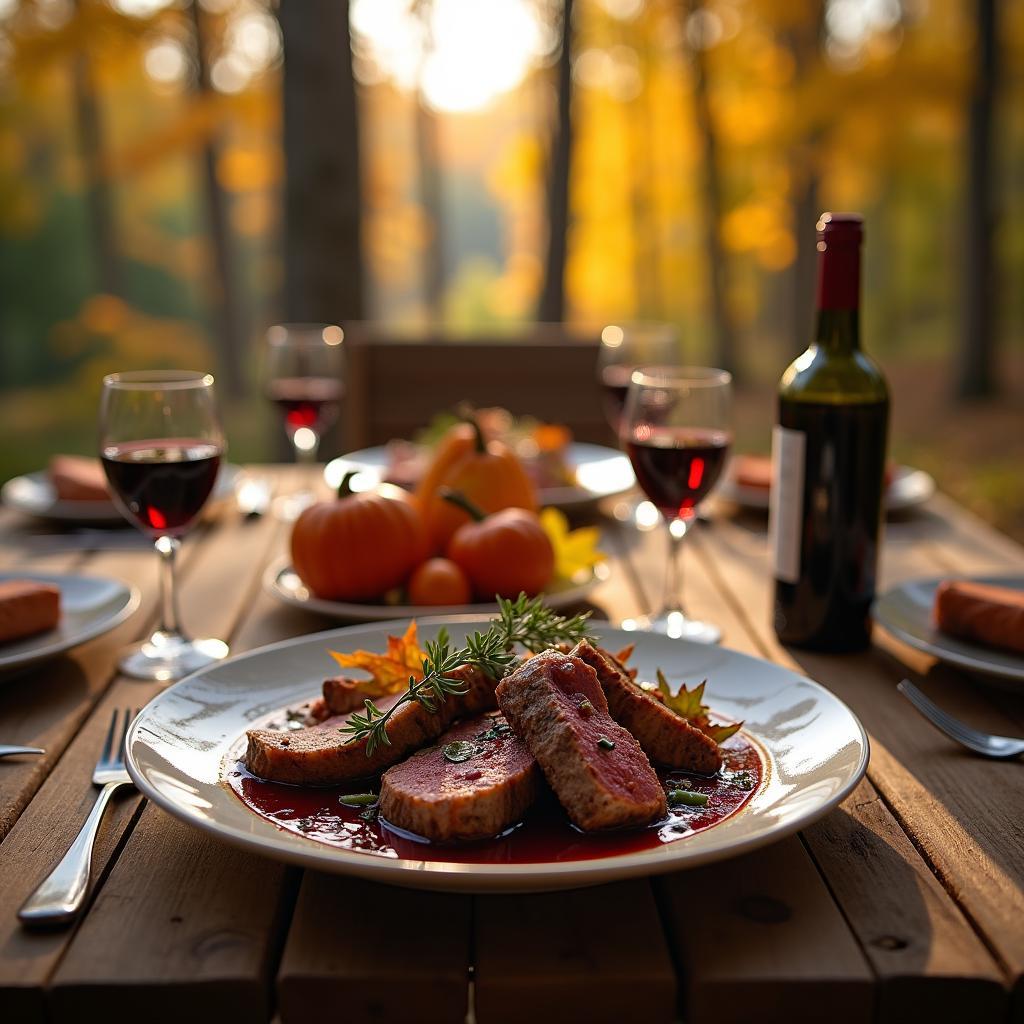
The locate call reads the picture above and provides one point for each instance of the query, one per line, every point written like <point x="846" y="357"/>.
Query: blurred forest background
<point x="175" y="175"/>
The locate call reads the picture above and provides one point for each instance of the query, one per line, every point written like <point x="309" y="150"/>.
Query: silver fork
<point x="1002" y="747"/>
<point x="8" y="751"/>
<point x="60" y="895"/>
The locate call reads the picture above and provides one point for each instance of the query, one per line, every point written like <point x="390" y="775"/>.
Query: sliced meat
<point x="322" y="755"/>
<point x="27" y="607"/>
<point x="342" y="695"/>
<point x="603" y="779"/>
<point x="665" y="737"/>
<point x="489" y="786"/>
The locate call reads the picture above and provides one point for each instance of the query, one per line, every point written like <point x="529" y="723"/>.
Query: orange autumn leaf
<point x="389" y="672"/>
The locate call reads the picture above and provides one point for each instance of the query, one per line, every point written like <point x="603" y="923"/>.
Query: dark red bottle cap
<point x="839" y="238"/>
<point x="840" y="227"/>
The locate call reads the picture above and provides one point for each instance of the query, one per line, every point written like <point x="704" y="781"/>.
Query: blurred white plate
<point x="281" y="581"/>
<point x="814" y="751"/>
<point x="600" y="473"/>
<point x="908" y="489"/>
<point x="906" y="612"/>
<point x="90" y="606"/>
<point x="33" y="494"/>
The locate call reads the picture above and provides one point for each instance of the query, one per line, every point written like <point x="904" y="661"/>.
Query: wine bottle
<point x="828" y="455"/>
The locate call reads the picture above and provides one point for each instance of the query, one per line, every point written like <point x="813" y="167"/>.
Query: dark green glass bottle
<point x="828" y="457"/>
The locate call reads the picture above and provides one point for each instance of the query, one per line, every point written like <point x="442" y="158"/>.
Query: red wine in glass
<point x="615" y="385"/>
<point x="310" y="402"/>
<point x="162" y="484"/>
<point x="677" y="466"/>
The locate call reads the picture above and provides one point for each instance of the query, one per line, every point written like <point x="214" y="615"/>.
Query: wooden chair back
<point x="395" y="385"/>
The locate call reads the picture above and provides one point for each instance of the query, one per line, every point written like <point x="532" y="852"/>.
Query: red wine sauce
<point x="546" y="835"/>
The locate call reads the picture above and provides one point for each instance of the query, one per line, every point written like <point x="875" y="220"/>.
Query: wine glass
<point x="161" y="445"/>
<point x="676" y="430"/>
<point x="303" y="377"/>
<point x="624" y="347"/>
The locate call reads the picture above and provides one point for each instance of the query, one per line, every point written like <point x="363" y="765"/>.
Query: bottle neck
<point x="838" y="331"/>
<point x="838" y="324"/>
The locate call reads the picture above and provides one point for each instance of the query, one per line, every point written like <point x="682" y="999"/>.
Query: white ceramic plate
<point x="908" y="489"/>
<point x="184" y="742"/>
<point x="33" y="495"/>
<point x="600" y="473"/>
<point x="906" y="612"/>
<point x="90" y="606"/>
<point x="281" y="581"/>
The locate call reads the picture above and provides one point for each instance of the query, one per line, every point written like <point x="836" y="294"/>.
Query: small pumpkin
<point x="489" y="475"/>
<point x="504" y="553"/>
<point x="358" y="547"/>
<point x="439" y="581"/>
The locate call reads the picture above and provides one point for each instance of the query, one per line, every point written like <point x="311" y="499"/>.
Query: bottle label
<point x="786" y="501"/>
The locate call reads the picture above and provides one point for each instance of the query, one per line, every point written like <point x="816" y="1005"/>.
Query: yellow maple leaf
<point x="576" y="551"/>
<point x="689" y="704"/>
<point x="390" y="672"/>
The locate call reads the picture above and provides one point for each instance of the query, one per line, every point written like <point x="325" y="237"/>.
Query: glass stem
<point x="673" y="599"/>
<point x="170" y="620"/>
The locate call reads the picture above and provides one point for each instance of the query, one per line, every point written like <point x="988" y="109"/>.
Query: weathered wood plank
<point x="589" y="955"/>
<point x="929" y="961"/>
<point x="47" y="825"/>
<point x="385" y="954"/>
<point x="962" y="812"/>
<point x="941" y="923"/>
<point x="184" y="929"/>
<point x="759" y="938"/>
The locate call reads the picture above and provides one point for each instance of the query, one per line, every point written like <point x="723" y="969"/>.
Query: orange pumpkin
<point x="459" y="441"/>
<point x="489" y="475"/>
<point x="438" y="581"/>
<point x="359" y="547"/>
<point x="503" y="553"/>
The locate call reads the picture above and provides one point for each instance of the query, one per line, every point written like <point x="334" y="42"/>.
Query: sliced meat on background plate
<point x="323" y="755"/>
<point x="603" y="779"/>
<point x="475" y="782"/>
<point x="665" y="737"/>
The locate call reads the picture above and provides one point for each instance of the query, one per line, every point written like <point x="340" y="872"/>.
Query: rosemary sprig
<point x="524" y="622"/>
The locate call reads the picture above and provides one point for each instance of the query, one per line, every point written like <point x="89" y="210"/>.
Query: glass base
<point x="168" y="657"/>
<point x="288" y="507"/>
<point x="643" y="514"/>
<point x="677" y="626"/>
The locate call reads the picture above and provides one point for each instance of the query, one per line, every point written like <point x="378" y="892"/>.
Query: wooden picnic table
<point x="908" y="900"/>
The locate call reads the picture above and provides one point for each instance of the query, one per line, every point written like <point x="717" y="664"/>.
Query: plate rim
<point x="967" y="662"/>
<point x="367" y="613"/>
<point x="756" y="498"/>
<point x="482" y="878"/>
<point x="133" y="600"/>
<point x="557" y="497"/>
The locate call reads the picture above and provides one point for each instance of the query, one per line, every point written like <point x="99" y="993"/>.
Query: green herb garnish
<point x="605" y="744"/>
<point x="687" y="798"/>
<point x="459" y="751"/>
<point x="358" y="799"/>
<point x="586" y="707"/>
<point x="525" y="622"/>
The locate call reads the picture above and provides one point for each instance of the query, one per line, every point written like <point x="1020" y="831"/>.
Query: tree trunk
<point x="976" y="362"/>
<point x="551" y="307"/>
<point x="322" y="246"/>
<point x="428" y="163"/>
<point x="98" y="193"/>
<point x="222" y="283"/>
<point x="804" y="44"/>
<point x="721" y="317"/>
